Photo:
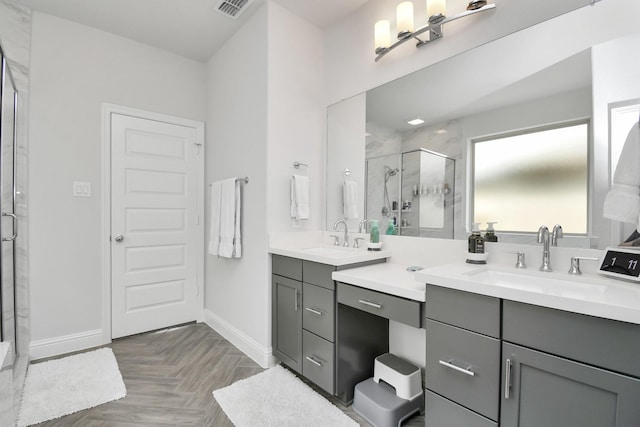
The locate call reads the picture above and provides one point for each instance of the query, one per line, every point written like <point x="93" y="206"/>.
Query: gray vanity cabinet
<point x="540" y="366"/>
<point x="305" y="336"/>
<point x="540" y="389"/>
<point x="303" y="318"/>
<point x="462" y="372"/>
<point x="568" y="370"/>
<point x="287" y="321"/>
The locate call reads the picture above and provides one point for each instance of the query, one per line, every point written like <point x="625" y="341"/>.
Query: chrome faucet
<point x="346" y="231"/>
<point x="363" y="226"/>
<point x="545" y="237"/>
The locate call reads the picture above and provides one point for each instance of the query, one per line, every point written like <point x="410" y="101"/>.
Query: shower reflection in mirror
<point x="411" y="193"/>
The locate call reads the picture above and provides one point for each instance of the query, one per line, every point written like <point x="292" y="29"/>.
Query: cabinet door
<point x="287" y="321"/>
<point x="543" y="390"/>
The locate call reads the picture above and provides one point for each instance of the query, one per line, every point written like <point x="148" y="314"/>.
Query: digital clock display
<point x="622" y="263"/>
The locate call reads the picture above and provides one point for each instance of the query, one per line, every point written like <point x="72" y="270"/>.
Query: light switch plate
<point x="81" y="189"/>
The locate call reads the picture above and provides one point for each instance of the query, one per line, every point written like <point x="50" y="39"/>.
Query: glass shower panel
<point x="8" y="224"/>
<point x="427" y="194"/>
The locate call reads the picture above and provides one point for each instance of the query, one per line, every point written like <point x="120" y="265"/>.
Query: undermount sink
<point x="590" y="294"/>
<point x="329" y="254"/>
<point x="536" y="281"/>
<point x="332" y="251"/>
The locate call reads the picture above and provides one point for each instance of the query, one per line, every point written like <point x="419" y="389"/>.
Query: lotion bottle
<point x="476" y="242"/>
<point x="490" y="235"/>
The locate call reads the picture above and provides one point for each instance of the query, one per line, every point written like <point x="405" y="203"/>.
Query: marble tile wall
<point x="15" y="38"/>
<point x="383" y="147"/>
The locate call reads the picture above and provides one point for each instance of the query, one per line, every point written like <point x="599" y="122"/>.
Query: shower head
<point x="390" y="172"/>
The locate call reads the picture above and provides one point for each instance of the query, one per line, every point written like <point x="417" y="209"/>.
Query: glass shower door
<point x="8" y="222"/>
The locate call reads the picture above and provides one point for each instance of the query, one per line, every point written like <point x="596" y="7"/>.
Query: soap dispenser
<point x="490" y="234"/>
<point x="374" y="234"/>
<point x="374" y="237"/>
<point x="476" y="253"/>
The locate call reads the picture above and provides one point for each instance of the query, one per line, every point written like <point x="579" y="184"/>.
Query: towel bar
<point x="245" y="180"/>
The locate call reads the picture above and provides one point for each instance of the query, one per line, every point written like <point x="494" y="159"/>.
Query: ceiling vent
<point x="232" y="8"/>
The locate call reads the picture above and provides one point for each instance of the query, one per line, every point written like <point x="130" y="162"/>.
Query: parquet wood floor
<point x="170" y="376"/>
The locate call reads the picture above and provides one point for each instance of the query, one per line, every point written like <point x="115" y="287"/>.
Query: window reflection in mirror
<point x="538" y="176"/>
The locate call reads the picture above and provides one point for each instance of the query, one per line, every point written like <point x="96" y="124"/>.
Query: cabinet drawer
<point x="464" y="366"/>
<point x="318" y="274"/>
<point x="440" y="412"/>
<point x="384" y="305"/>
<point x="477" y="313"/>
<point x="601" y="342"/>
<point x="318" y="361"/>
<point x="318" y="312"/>
<point x="287" y="267"/>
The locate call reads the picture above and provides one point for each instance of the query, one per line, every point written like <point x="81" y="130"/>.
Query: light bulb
<point x="382" y="32"/>
<point x="404" y="17"/>
<point x="436" y="7"/>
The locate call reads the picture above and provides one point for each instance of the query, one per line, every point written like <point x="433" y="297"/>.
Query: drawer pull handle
<point x="314" y="361"/>
<point x="507" y="379"/>
<point x="314" y="311"/>
<point x="466" y="371"/>
<point x="369" y="303"/>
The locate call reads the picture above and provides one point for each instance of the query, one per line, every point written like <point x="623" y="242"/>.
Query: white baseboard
<point x="66" y="344"/>
<point x="261" y="355"/>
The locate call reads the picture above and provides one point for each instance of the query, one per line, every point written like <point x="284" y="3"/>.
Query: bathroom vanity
<point x="501" y="351"/>
<point x="305" y="318"/>
<point x="331" y="319"/>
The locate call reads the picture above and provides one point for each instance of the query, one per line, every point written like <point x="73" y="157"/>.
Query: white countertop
<point x="313" y="247"/>
<point x="388" y="277"/>
<point x="590" y="294"/>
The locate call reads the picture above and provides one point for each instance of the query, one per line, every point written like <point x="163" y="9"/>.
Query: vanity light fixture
<point x="436" y="9"/>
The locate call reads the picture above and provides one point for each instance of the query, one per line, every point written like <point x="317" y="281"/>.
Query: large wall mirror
<point x="557" y="77"/>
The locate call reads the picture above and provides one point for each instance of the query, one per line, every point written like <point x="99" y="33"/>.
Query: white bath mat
<point x="64" y="386"/>
<point x="276" y="398"/>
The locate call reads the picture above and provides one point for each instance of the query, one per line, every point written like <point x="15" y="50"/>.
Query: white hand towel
<point x="237" y="237"/>
<point x="299" y="197"/>
<point x="228" y="204"/>
<point x="350" y="200"/>
<point x="214" y="231"/>
<point x="623" y="200"/>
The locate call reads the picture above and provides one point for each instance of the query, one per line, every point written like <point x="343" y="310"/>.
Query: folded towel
<point x="299" y="197"/>
<point x="226" y="208"/>
<point x="350" y="200"/>
<point x="214" y="231"/>
<point x="623" y="200"/>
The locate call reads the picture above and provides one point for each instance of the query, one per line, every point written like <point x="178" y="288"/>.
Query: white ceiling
<point x="191" y="28"/>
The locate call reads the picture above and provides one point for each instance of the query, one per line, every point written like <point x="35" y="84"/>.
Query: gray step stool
<point x="380" y="402"/>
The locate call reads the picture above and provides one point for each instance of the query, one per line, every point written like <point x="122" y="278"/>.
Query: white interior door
<point x="154" y="224"/>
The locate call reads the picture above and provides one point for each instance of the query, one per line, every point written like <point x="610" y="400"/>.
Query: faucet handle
<point x="520" y="263"/>
<point x="336" y="239"/>
<point x="556" y="234"/>
<point x="575" y="264"/>
<point x="355" y="241"/>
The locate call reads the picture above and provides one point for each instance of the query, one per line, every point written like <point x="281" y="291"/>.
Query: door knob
<point x="119" y="238"/>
